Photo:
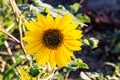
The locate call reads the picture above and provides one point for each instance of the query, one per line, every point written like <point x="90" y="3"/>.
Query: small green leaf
<point x="2" y="38"/>
<point x="46" y="10"/>
<point x="77" y="63"/>
<point x="80" y="64"/>
<point x="61" y="7"/>
<point x="34" y="71"/>
<point x="83" y="18"/>
<point x="74" y="8"/>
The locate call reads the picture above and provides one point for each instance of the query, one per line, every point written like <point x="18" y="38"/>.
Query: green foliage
<point x="2" y="40"/>
<point x="78" y="63"/>
<point x="100" y="76"/>
<point x="46" y="10"/>
<point x="83" y="18"/>
<point x="61" y="7"/>
<point x="73" y="8"/>
<point x="7" y="22"/>
<point x="1" y="2"/>
<point x="9" y="72"/>
<point x="34" y="71"/>
<point x="116" y="50"/>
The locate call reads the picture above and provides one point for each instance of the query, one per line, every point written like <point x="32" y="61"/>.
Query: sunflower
<point x="52" y="40"/>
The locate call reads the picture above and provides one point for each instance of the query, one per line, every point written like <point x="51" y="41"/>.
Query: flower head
<point x="52" y="40"/>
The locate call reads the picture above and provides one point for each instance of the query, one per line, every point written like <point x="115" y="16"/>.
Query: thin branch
<point x="21" y="36"/>
<point x="9" y="51"/>
<point x="17" y="10"/>
<point x="15" y="39"/>
<point x="19" y="17"/>
<point x="7" y="38"/>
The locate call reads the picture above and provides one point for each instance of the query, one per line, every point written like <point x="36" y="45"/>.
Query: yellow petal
<point x="24" y="75"/>
<point x="76" y="34"/>
<point x="59" y="58"/>
<point x="67" y="54"/>
<point x="32" y="48"/>
<point x="34" y="34"/>
<point x="57" y="19"/>
<point x="64" y="21"/>
<point x="50" y="21"/>
<point x="67" y="51"/>
<point x="22" y="72"/>
<point x="73" y="42"/>
<point x="31" y="39"/>
<point x="39" y="53"/>
<point x="52" y="59"/>
<point x="32" y="45"/>
<point x="33" y="26"/>
<point x="43" y="59"/>
<point x="70" y="27"/>
<point x="70" y="47"/>
<point x="42" y="20"/>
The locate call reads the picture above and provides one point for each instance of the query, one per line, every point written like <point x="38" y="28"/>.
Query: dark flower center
<point x="52" y="38"/>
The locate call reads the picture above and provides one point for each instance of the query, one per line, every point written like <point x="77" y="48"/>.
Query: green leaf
<point x="2" y="35"/>
<point x="61" y="7"/>
<point x="8" y="71"/>
<point x="1" y="2"/>
<point x="34" y="71"/>
<point x="77" y="63"/>
<point x="80" y="64"/>
<point x="74" y="8"/>
<point x="83" y="18"/>
<point x="46" y="10"/>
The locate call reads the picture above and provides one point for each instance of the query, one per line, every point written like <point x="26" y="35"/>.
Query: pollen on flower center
<point x="52" y="38"/>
